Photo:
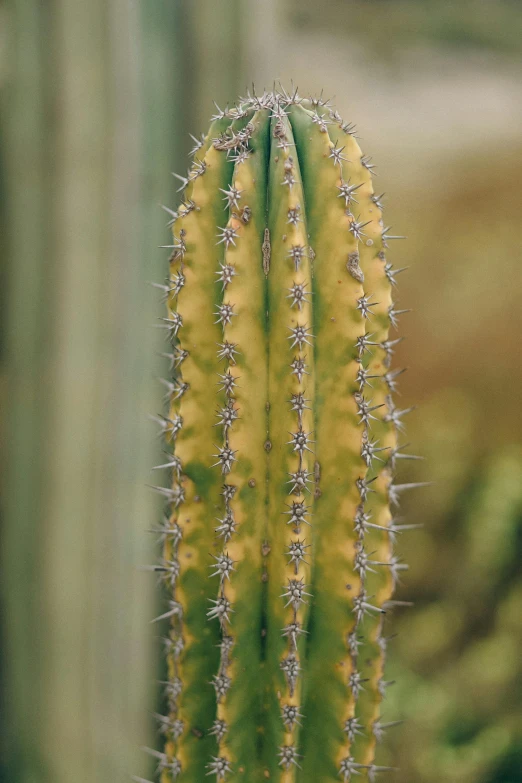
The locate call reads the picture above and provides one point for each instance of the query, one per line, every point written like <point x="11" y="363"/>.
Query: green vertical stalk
<point x="80" y="366"/>
<point x="287" y="629"/>
<point x="25" y="136"/>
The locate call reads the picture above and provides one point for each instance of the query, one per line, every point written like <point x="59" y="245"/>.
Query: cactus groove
<point x="282" y="431"/>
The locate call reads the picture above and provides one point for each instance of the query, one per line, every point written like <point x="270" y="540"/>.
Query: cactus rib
<point x="290" y="393"/>
<point x="242" y="415"/>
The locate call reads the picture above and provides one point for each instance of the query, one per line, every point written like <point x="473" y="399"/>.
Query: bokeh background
<point x="97" y="100"/>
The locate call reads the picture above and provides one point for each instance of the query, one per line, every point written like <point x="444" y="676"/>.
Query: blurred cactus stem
<point x="81" y="160"/>
<point x="278" y="535"/>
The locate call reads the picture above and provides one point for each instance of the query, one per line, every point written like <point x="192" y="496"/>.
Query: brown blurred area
<point x="96" y="104"/>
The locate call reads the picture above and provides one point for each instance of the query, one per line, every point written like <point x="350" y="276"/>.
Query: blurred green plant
<point x="390" y="26"/>
<point x="457" y="658"/>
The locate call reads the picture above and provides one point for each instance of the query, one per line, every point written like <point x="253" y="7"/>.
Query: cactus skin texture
<point x="283" y="439"/>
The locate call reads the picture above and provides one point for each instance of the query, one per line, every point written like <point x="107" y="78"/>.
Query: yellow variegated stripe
<point x="246" y="336"/>
<point x="379" y="582"/>
<point x="337" y="287"/>
<point x="192" y="654"/>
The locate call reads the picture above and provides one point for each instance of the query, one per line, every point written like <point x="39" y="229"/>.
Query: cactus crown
<point x="278" y="538"/>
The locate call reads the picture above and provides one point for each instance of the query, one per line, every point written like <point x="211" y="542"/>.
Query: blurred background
<point x="97" y="100"/>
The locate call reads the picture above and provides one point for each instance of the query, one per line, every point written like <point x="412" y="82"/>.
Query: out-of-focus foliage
<point x="83" y="169"/>
<point x="464" y="281"/>
<point x="389" y="25"/>
<point x="456" y="658"/>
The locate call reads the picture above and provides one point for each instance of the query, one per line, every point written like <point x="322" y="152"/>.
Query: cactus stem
<point x="269" y="255"/>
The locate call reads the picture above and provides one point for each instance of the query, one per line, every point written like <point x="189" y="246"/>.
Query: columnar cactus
<point x="278" y="537"/>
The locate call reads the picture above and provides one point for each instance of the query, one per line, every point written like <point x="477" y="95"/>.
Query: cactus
<point x="282" y="432"/>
